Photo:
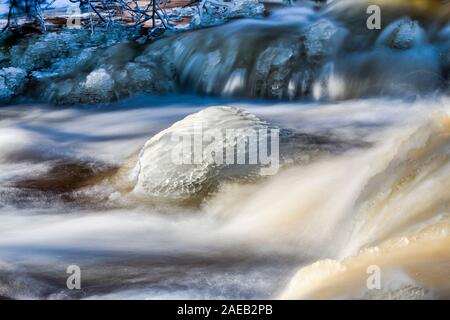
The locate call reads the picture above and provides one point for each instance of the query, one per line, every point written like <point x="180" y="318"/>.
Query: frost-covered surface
<point x="214" y="12"/>
<point x="322" y="39"/>
<point x="98" y="85"/>
<point x="43" y="52"/>
<point x="12" y="81"/>
<point x="73" y="66"/>
<point x="158" y="173"/>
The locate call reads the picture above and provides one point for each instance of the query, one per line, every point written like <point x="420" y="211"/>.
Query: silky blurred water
<point x="140" y="250"/>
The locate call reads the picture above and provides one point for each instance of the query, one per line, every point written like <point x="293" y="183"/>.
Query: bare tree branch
<point x="105" y="12"/>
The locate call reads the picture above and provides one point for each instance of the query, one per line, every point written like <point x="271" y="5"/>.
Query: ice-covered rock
<point x="151" y="72"/>
<point x="114" y="35"/>
<point x="288" y="67"/>
<point x="273" y="57"/>
<point x="213" y="12"/>
<point x="402" y="34"/>
<point x="11" y="82"/>
<point x="98" y="86"/>
<point x="40" y="51"/>
<point x="142" y="78"/>
<point x="91" y="80"/>
<point x="269" y="64"/>
<point x="322" y="39"/>
<point x="95" y="87"/>
<point x="189" y="159"/>
<point x="66" y="65"/>
<point x="246" y="8"/>
<point x="273" y="67"/>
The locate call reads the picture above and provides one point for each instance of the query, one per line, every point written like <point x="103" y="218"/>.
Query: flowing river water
<point x="367" y="183"/>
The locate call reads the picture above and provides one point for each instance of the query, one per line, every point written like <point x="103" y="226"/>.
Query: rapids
<point x="384" y="202"/>
<point x="364" y="173"/>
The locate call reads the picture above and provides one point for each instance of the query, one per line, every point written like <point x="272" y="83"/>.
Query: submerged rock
<point x="12" y="82"/>
<point x="189" y="159"/>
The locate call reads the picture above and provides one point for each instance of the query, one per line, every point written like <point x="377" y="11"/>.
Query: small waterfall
<point x="295" y="53"/>
<point x="299" y="53"/>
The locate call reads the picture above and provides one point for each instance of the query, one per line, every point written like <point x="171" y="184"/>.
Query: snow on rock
<point x="164" y="170"/>
<point x="402" y="34"/>
<point x="11" y="82"/>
